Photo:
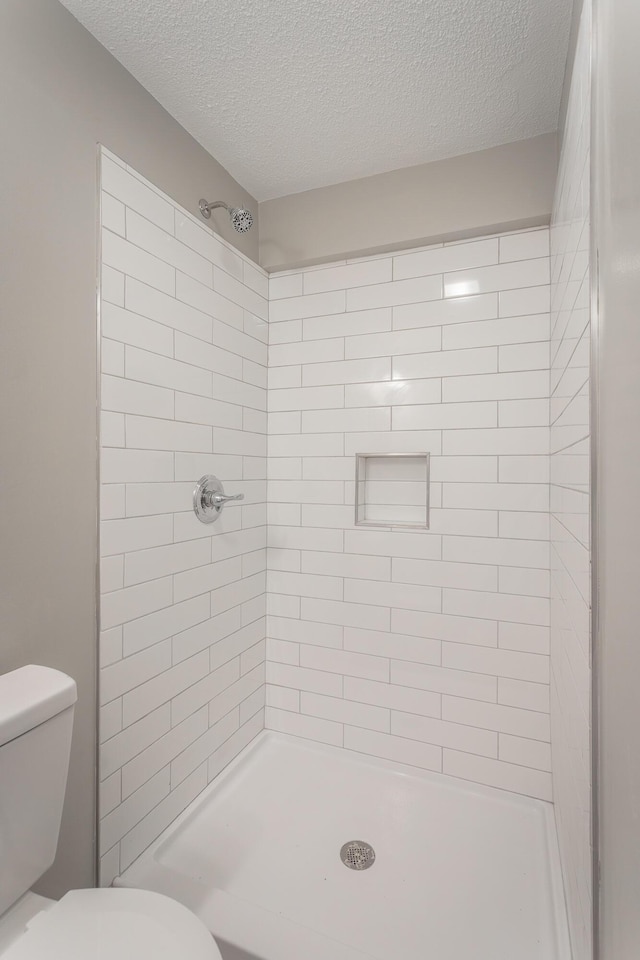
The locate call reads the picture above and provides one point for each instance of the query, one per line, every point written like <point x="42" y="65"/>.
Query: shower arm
<point x="206" y="208"/>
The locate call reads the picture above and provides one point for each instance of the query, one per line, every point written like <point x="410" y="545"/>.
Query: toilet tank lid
<point x="31" y="695"/>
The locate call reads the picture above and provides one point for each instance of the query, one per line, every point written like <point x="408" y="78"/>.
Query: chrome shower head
<point x="241" y="218"/>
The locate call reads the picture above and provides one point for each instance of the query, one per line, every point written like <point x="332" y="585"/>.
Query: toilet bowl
<point x="108" y="924"/>
<point x="36" y="719"/>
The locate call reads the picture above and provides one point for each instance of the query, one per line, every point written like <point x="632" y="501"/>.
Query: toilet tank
<point x="36" y="720"/>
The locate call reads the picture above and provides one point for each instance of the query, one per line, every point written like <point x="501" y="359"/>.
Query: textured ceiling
<point x="294" y="94"/>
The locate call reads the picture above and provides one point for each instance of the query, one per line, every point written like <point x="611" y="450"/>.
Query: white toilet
<point x="36" y="720"/>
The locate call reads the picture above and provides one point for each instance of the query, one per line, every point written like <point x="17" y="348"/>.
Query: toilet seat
<point x="114" y="924"/>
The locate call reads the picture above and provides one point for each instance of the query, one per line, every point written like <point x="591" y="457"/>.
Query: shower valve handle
<point x="209" y="498"/>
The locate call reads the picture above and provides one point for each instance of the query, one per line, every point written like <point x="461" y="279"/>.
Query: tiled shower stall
<point x="429" y="648"/>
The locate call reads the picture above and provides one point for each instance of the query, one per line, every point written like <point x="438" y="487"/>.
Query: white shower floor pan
<point x="462" y="872"/>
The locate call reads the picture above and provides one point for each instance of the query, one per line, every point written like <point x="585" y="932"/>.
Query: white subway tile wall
<point x="182" y="607"/>
<point x="570" y="500"/>
<point x="430" y="648"/>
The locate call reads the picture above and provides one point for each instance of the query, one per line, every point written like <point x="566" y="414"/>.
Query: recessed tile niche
<point x="392" y="490"/>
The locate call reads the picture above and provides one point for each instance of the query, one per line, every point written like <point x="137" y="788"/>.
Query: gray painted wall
<point x="617" y="231"/>
<point x="505" y="188"/>
<point x="62" y="93"/>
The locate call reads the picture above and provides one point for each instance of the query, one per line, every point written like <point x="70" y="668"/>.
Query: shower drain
<point x="357" y="855"/>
